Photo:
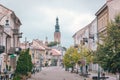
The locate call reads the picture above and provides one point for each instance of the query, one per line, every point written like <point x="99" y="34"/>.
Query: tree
<point x="24" y="63"/>
<point x="86" y="58"/>
<point x="71" y="57"/>
<point x="52" y="44"/>
<point x="109" y="51"/>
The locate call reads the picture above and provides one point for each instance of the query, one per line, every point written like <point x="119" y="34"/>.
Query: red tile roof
<point x="55" y="52"/>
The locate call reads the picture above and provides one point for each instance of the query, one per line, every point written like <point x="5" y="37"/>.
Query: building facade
<point x="105" y="14"/>
<point x="9" y="37"/>
<point x="90" y="34"/>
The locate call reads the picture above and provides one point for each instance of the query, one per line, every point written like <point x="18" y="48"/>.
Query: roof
<point x="37" y="47"/>
<point x="5" y="7"/>
<point x="81" y="31"/>
<point x="55" y="52"/>
<point x="16" y="19"/>
<point x="59" y="48"/>
<point x="40" y="42"/>
<point x="47" y="48"/>
<point x="101" y="9"/>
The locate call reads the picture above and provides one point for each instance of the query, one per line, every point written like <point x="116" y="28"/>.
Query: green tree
<point x="52" y="44"/>
<point x="108" y="53"/>
<point x="71" y="57"/>
<point x="24" y="63"/>
<point x="86" y="54"/>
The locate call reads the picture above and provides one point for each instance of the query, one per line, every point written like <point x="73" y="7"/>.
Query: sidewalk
<point x="111" y="77"/>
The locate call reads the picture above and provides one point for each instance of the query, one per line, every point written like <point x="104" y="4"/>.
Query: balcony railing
<point x="15" y="31"/>
<point x="11" y="51"/>
<point x="2" y="49"/>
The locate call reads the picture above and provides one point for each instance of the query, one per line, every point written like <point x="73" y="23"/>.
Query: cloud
<point x="70" y="20"/>
<point x="38" y="16"/>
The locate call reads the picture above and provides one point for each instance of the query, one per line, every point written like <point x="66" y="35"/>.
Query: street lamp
<point x="72" y="63"/>
<point x="41" y="58"/>
<point x="98" y="72"/>
<point x="16" y="32"/>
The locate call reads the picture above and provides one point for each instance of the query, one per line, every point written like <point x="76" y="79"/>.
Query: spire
<point x="46" y="41"/>
<point x="57" y="21"/>
<point x="57" y="25"/>
<point x="57" y="34"/>
<point x="46" y="38"/>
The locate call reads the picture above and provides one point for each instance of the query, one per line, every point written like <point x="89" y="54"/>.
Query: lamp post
<point x="15" y="32"/>
<point x="98" y="72"/>
<point x="41" y="58"/>
<point x="16" y="49"/>
<point x="72" y="63"/>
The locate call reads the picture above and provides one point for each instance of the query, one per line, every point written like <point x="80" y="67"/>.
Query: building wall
<point x="93" y="32"/>
<point x="114" y="8"/>
<point x="57" y="37"/>
<point x="102" y="20"/>
<point x="38" y="53"/>
<point x="7" y="14"/>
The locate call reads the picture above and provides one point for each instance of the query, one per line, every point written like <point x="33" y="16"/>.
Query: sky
<point x="38" y="17"/>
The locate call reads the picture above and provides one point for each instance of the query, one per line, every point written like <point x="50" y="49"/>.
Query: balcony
<point x="20" y="35"/>
<point x="2" y="49"/>
<point x="15" y="31"/>
<point x="15" y="50"/>
<point x="11" y="51"/>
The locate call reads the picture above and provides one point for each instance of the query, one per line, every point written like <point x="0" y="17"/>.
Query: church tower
<point x="57" y="35"/>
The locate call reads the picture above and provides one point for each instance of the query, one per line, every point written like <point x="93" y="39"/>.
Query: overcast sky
<point x="38" y="17"/>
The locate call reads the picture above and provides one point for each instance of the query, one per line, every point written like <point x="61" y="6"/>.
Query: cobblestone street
<point x="58" y="73"/>
<point x="55" y="73"/>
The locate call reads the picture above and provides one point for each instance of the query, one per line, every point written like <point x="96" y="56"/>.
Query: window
<point x="47" y="53"/>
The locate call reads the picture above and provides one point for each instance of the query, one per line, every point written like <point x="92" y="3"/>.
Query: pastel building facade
<point x="9" y="37"/>
<point x="91" y="33"/>
<point x="87" y="38"/>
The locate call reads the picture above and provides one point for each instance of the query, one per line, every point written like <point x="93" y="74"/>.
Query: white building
<point x="87" y="38"/>
<point x="9" y="37"/>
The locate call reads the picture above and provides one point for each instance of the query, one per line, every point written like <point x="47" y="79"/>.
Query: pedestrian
<point x="11" y="76"/>
<point x="34" y="71"/>
<point x="103" y="75"/>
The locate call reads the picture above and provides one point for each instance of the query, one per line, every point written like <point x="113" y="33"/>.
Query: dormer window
<point x="7" y="23"/>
